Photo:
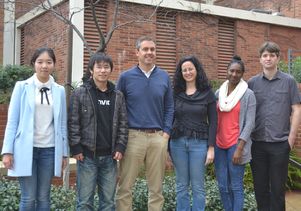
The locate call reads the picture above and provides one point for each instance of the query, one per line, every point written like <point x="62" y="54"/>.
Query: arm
<point x="212" y="119"/>
<point x="120" y="84"/>
<point x="13" y="119"/>
<point x="122" y="129"/>
<point x="168" y="111"/>
<point x="64" y="123"/>
<point x="238" y="152"/>
<point x="295" y="122"/>
<point x="74" y="124"/>
<point x="248" y="126"/>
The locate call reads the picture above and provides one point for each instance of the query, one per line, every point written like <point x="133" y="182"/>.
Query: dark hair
<point x="97" y="58"/>
<point x="202" y="82"/>
<point x="270" y="47"/>
<point x="141" y="39"/>
<point x="39" y="51"/>
<point x="237" y="60"/>
<point x="100" y="57"/>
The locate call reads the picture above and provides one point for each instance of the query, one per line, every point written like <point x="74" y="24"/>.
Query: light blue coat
<point x="18" y="139"/>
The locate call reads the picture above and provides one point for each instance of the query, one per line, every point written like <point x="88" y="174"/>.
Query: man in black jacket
<point x="98" y="134"/>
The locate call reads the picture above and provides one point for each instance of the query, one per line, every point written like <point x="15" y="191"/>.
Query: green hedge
<point x="295" y="68"/>
<point x="9" y="75"/>
<point x="62" y="199"/>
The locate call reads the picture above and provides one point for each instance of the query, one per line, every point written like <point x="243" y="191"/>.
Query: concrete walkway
<point x="293" y="201"/>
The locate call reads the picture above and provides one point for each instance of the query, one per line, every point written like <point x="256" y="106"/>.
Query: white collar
<point x="147" y="74"/>
<point x="39" y="84"/>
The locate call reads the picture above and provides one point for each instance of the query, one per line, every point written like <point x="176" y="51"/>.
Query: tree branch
<point x="98" y="26"/>
<point x="67" y="21"/>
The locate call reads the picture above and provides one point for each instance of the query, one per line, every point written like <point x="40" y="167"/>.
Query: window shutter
<point x="22" y="47"/>
<point x="90" y="31"/>
<point x="166" y="40"/>
<point x="225" y="46"/>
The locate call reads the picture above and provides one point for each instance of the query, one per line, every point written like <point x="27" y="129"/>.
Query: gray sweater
<point x="246" y="122"/>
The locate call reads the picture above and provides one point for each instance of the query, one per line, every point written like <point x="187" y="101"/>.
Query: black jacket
<point x="82" y="122"/>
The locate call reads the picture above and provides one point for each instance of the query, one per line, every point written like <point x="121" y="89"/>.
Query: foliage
<point x="9" y="75"/>
<point x="294" y="173"/>
<point x="62" y="199"/>
<point x="9" y="195"/>
<point x="213" y="202"/>
<point x="215" y="84"/>
<point x="295" y="70"/>
<point x="248" y="178"/>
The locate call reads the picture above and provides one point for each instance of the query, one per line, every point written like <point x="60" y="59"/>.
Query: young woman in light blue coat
<point x="35" y="142"/>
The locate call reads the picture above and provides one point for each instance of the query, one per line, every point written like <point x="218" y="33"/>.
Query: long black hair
<point x="202" y="82"/>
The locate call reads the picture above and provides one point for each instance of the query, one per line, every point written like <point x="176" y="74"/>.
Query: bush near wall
<point x="9" y="75"/>
<point x="295" y="68"/>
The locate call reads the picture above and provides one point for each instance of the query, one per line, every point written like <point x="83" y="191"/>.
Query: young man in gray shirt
<point x="277" y="119"/>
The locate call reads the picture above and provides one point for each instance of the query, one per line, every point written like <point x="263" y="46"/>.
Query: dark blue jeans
<point x="269" y="168"/>
<point x="35" y="189"/>
<point x="100" y="172"/>
<point x="230" y="179"/>
<point x="189" y="156"/>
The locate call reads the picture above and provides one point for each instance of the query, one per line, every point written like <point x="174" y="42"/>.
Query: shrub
<point x="294" y="173"/>
<point x="62" y="199"/>
<point x="295" y="70"/>
<point x="215" y="84"/>
<point x="9" y="75"/>
<point x="9" y="195"/>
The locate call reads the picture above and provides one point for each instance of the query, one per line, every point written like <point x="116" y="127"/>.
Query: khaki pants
<point x="149" y="149"/>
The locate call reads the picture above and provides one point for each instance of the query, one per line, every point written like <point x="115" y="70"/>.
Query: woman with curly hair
<point x="194" y="129"/>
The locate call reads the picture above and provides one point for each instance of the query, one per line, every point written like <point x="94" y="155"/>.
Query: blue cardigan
<point x="149" y="100"/>
<point x="18" y="139"/>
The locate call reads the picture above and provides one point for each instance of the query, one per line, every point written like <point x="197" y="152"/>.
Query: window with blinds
<point x="90" y="30"/>
<point x="22" y="46"/>
<point x="225" y="46"/>
<point x="166" y="40"/>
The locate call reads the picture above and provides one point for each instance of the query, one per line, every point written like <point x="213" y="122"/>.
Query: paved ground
<point x="293" y="201"/>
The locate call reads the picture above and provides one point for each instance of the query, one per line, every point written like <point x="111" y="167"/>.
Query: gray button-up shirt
<point x="274" y="99"/>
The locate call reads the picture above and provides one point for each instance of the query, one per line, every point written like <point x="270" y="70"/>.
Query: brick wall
<point x="51" y="32"/>
<point x="202" y="41"/>
<point x="290" y="8"/>
<point x="22" y="7"/>
<point x="122" y="44"/>
<point x="3" y="119"/>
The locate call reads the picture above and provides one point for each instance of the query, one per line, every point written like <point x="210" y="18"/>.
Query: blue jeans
<point x="230" y="179"/>
<point x="101" y="171"/>
<point x="189" y="156"/>
<point x="35" y="189"/>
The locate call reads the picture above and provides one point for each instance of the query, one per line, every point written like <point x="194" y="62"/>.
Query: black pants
<point x="269" y="168"/>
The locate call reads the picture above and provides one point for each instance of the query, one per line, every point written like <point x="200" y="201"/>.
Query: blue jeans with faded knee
<point x="189" y="156"/>
<point x="101" y="172"/>
<point x="35" y="189"/>
<point x="230" y="179"/>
